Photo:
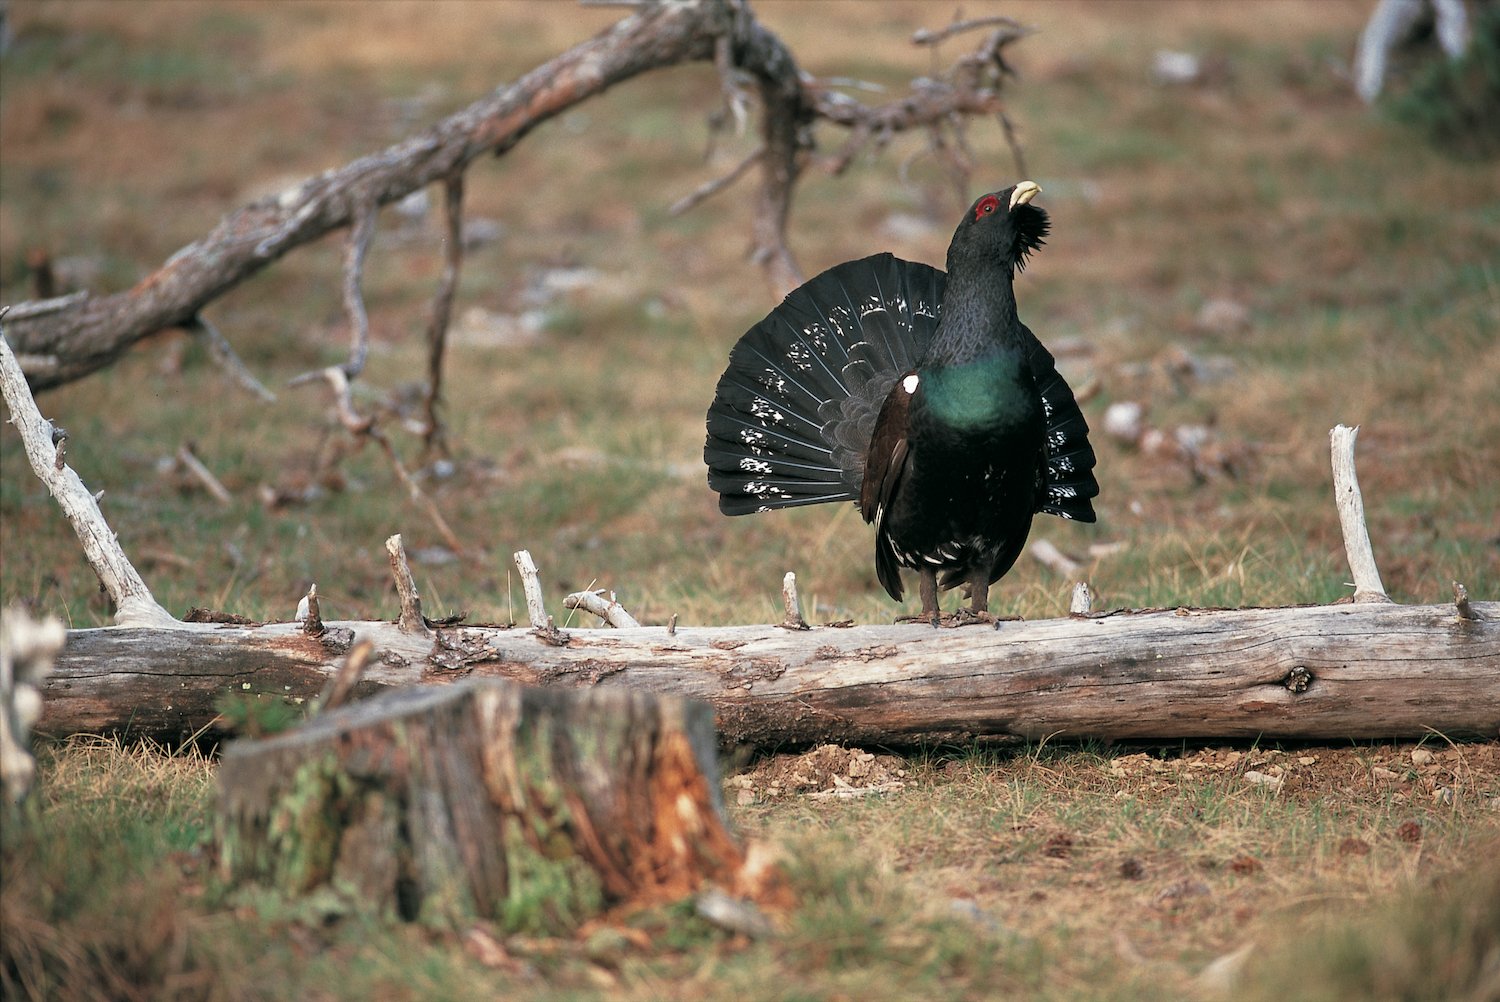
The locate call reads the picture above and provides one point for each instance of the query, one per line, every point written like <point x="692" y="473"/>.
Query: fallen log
<point x="1348" y="671"/>
<point x="1364" y="670"/>
<point x="485" y="801"/>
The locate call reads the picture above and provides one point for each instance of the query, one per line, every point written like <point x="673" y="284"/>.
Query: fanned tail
<point x="1068" y="483"/>
<point x="793" y="413"/>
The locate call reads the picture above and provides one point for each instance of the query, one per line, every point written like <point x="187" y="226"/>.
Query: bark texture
<point x="535" y="809"/>
<point x="1340" y="672"/>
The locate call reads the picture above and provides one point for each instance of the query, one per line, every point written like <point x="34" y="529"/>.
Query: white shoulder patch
<point x="909" y="384"/>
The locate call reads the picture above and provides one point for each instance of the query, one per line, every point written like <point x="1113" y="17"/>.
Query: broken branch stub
<point x="1351" y="508"/>
<point x="531" y="584"/>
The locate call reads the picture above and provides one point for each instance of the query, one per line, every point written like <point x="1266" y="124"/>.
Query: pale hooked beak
<point x="1024" y="192"/>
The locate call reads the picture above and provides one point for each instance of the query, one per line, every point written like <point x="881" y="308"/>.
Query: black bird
<point x="918" y="395"/>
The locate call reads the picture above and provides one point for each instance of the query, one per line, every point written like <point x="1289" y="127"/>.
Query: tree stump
<point x="485" y="800"/>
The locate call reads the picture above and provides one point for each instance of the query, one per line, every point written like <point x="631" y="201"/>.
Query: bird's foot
<point x="968" y="617"/>
<point x="932" y="619"/>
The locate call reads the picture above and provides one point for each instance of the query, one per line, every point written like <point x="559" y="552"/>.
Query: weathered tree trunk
<point x="532" y="808"/>
<point x="1353" y="671"/>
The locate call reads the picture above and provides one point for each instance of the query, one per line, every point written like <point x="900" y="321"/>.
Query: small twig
<point x="223" y="353"/>
<point x="189" y="461"/>
<point x="1083" y="600"/>
<point x="736" y="915"/>
<point x="531" y="584"/>
<point x="672" y="625"/>
<point x="442" y="310"/>
<point x="706" y="191"/>
<point x="60" y="447"/>
<point x="308" y="613"/>
<point x="1351" y="507"/>
<point x="134" y="603"/>
<point x="730" y="83"/>
<point x="791" y="604"/>
<point x="925" y="36"/>
<point x="339" y="688"/>
<point x="1461" y="600"/>
<point x="1046" y="552"/>
<point x="365" y="429"/>
<point x="411" y="620"/>
<point x="355" y="249"/>
<point x="607" y="609"/>
<point x="42" y="307"/>
<point x="1013" y="140"/>
<point x="549" y="634"/>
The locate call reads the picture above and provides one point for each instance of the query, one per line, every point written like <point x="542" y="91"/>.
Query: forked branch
<point x="61" y="340"/>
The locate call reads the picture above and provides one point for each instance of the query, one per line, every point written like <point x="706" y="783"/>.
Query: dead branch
<point x="1363" y="670"/>
<point x="189" y="461"/>
<point x="531" y="584"/>
<point x="63" y="339"/>
<point x="791" y="604"/>
<point x="223" y="352"/>
<point x="1082" y="602"/>
<point x="1392" y="25"/>
<point x="363" y="429"/>
<point x="309" y="616"/>
<point x="1351" y="506"/>
<point x="134" y="604"/>
<point x="1350" y="671"/>
<point x="607" y="609"/>
<point x="411" y="620"/>
<point x="355" y="250"/>
<point x="433" y="439"/>
<point x="348" y="675"/>
<point x="711" y="188"/>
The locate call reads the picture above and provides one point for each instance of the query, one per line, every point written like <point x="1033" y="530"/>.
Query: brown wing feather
<point x="884" y="464"/>
<point x="887" y="453"/>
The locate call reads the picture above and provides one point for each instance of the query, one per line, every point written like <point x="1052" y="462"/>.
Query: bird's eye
<point x="987" y="205"/>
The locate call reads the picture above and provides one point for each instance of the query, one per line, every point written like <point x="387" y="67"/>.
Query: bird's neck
<point x="979" y="317"/>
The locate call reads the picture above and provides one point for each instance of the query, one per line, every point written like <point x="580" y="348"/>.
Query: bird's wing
<point x="1066" y="474"/>
<point x="884" y="466"/>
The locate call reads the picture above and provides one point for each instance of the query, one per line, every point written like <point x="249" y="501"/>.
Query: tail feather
<point x="793" y="413"/>
<point x="1069" y="482"/>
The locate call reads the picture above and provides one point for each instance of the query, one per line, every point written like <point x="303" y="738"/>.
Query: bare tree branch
<point x="223" y="353"/>
<point x="709" y="189"/>
<point x="366" y="429"/>
<point x="433" y="438"/>
<point x="134" y="603"/>
<point x="355" y="249"/>
<point x="1351" y="506"/>
<point x="64" y="339"/>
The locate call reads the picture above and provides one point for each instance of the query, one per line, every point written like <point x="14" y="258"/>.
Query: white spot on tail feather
<point x="909" y="383"/>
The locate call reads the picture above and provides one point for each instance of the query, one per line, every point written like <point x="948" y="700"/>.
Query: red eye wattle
<point x="987" y="205"/>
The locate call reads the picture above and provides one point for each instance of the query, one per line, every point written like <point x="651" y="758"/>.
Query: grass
<point x="1363" y="257"/>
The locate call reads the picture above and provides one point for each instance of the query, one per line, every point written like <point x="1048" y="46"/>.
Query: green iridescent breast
<point x="989" y="393"/>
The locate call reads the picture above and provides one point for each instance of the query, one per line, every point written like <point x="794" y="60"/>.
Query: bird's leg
<point x="979" y="591"/>
<point x="979" y="599"/>
<point x="929" y="590"/>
